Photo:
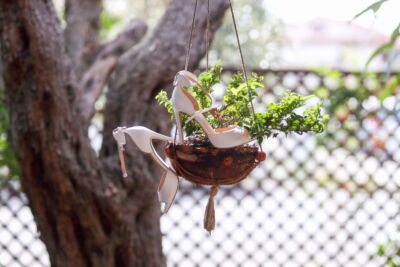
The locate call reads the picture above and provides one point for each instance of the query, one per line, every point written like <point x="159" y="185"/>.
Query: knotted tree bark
<point x="86" y="213"/>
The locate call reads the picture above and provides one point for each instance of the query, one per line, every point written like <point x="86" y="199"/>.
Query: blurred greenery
<point x="391" y="250"/>
<point x="390" y="87"/>
<point x="260" y="32"/>
<point x="260" y="36"/>
<point x="107" y="22"/>
<point x="337" y="100"/>
<point x="8" y="165"/>
<point x="348" y="98"/>
<point x="373" y="7"/>
<point x="391" y="253"/>
<point x="389" y="48"/>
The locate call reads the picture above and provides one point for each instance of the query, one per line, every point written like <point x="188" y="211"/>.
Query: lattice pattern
<point x="19" y="242"/>
<point x="326" y="200"/>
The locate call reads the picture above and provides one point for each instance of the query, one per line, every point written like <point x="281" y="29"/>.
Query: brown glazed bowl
<point x="203" y="164"/>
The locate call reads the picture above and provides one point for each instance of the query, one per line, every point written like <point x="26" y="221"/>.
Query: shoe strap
<point x="197" y="83"/>
<point x="197" y="112"/>
<point x="119" y="136"/>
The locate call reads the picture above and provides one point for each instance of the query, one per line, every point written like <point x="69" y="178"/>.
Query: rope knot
<point x="213" y="191"/>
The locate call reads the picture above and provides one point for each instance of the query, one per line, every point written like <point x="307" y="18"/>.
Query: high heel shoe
<point x="184" y="102"/>
<point x="143" y="137"/>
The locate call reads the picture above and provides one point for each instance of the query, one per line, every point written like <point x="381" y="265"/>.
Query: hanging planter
<point x="216" y="145"/>
<point x="201" y="159"/>
<point x="206" y="165"/>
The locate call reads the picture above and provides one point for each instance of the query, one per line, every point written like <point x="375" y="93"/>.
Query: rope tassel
<point x="209" y="215"/>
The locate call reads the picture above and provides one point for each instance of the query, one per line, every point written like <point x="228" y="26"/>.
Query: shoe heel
<point x="119" y="136"/>
<point x="179" y="126"/>
<point x="122" y="160"/>
<point x="167" y="190"/>
<point x="142" y="137"/>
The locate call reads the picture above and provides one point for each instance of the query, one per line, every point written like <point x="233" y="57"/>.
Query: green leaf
<point x="390" y="88"/>
<point x="385" y="47"/>
<point x="390" y="63"/>
<point x="235" y="91"/>
<point x="381" y="250"/>
<point x="162" y="99"/>
<point x="307" y="97"/>
<point x="373" y="7"/>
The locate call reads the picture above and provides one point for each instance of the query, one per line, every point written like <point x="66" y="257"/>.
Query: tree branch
<point x="81" y="32"/>
<point x="96" y="76"/>
<point x="152" y="64"/>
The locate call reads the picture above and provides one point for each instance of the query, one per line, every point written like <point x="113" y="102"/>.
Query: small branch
<point x="96" y="76"/>
<point x="81" y="32"/>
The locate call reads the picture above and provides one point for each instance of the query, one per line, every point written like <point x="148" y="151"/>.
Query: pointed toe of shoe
<point x="235" y="137"/>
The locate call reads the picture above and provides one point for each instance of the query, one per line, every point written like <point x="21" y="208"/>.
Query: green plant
<point x="282" y="117"/>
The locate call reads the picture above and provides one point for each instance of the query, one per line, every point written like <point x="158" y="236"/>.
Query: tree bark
<point x="95" y="77"/>
<point x="86" y="213"/>
<point x="81" y="32"/>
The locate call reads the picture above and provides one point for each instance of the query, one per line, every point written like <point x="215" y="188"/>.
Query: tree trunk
<point x="86" y="213"/>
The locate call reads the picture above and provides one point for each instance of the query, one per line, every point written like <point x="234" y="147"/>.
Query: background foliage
<point x="391" y="250"/>
<point x="8" y="164"/>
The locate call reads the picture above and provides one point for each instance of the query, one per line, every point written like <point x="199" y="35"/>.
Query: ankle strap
<point x="192" y="78"/>
<point x="119" y="136"/>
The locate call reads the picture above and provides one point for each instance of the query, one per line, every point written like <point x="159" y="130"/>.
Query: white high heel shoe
<point x="143" y="137"/>
<point x="183" y="101"/>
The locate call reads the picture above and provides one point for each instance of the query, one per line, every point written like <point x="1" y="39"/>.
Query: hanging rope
<point x="209" y="216"/>
<point x="191" y="36"/>
<point x="241" y="55"/>
<point x="188" y="51"/>
<point x="207" y="45"/>
<point x="207" y="28"/>
<point x="207" y="48"/>
<point x="242" y="61"/>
